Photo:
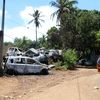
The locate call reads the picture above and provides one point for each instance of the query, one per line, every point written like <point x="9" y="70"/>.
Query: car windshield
<point x="30" y="61"/>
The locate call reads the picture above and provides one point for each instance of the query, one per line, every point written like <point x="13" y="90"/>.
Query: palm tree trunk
<point x="36" y="36"/>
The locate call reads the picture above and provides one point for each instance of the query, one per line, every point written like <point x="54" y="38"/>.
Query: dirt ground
<point x="80" y="84"/>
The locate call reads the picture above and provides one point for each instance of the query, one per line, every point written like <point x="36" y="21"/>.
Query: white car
<point x="24" y="65"/>
<point x="41" y="57"/>
<point x="13" y="51"/>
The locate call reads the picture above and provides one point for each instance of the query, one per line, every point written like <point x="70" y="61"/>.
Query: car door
<point x="32" y="66"/>
<point x="19" y="65"/>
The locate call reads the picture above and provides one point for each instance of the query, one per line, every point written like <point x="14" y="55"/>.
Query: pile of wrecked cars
<point x="28" y="62"/>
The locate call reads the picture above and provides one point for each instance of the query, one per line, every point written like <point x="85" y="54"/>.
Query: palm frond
<point x="30" y="21"/>
<point x="36" y="18"/>
<point x="31" y="15"/>
<point x="39" y="24"/>
<point x="54" y="4"/>
<point x="53" y="15"/>
<point x="42" y="16"/>
<point x="41" y="20"/>
<point x="72" y="2"/>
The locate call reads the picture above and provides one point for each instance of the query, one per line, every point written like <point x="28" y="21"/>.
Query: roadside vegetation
<point x="69" y="59"/>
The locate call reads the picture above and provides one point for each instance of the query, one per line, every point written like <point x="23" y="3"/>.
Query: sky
<point x="17" y="15"/>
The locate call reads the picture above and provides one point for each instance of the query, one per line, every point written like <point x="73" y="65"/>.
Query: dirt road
<point x="80" y="84"/>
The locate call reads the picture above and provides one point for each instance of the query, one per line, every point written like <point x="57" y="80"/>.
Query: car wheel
<point x="44" y="72"/>
<point x="11" y="72"/>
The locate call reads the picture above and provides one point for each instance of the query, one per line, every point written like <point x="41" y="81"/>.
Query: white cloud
<point x="21" y="31"/>
<point x="25" y="14"/>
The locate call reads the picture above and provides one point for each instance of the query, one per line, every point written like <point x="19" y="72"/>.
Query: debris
<point x="8" y="97"/>
<point x="96" y="87"/>
<point x="51" y="66"/>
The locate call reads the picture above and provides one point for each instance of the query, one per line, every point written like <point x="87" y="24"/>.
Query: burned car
<point x="14" y="51"/>
<point x="33" y="53"/>
<point x="54" y="55"/>
<point x="24" y="65"/>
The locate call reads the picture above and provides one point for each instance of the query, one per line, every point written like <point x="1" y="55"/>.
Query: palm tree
<point x="36" y="19"/>
<point x="62" y="7"/>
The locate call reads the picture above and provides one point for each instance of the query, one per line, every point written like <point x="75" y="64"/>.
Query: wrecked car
<point x="85" y="62"/>
<point x="42" y="58"/>
<point x="54" y="55"/>
<point x="14" y="51"/>
<point x="24" y="65"/>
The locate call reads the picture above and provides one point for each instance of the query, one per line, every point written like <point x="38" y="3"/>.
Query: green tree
<point x="87" y="26"/>
<point x="97" y="42"/>
<point x="23" y="43"/>
<point x="36" y="19"/>
<point x="68" y="30"/>
<point x="42" y="41"/>
<point x="63" y="6"/>
<point x="53" y="38"/>
<point x="8" y="43"/>
<point x="79" y="29"/>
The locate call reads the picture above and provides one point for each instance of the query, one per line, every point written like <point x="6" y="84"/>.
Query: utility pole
<point x="1" y="38"/>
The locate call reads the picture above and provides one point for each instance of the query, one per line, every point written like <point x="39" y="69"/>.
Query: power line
<point x="9" y="37"/>
<point x="13" y="22"/>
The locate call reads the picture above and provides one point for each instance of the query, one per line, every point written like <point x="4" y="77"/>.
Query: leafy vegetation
<point x="53" y="38"/>
<point x="78" y="29"/>
<point x="23" y="43"/>
<point x="69" y="58"/>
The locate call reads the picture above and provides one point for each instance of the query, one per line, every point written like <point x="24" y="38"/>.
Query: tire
<point x="44" y="72"/>
<point x="11" y="72"/>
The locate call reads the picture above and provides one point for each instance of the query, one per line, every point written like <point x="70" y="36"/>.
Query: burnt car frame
<point x="24" y="65"/>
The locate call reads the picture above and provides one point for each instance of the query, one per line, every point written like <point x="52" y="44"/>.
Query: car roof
<point x="32" y="50"/>
<point x="11" y="57"/>
<point x="15" y="57"/>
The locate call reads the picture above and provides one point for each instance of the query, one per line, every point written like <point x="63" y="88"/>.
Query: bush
<point x="69" y="58"/>
<point x="58" y="66"/>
